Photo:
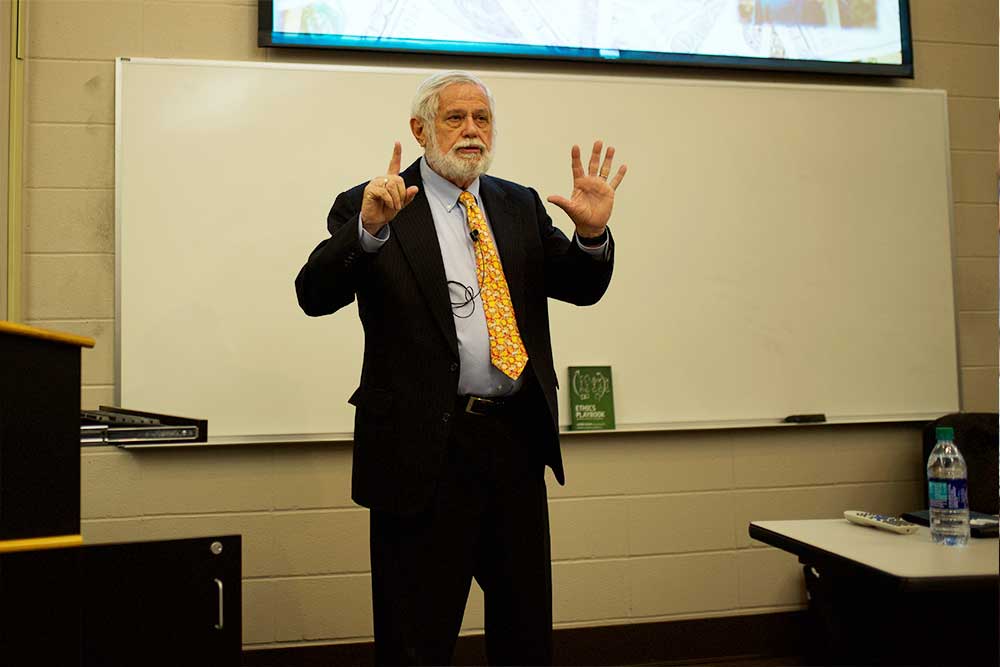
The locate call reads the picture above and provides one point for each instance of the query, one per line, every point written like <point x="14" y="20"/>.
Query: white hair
<point x="427" y="97"/>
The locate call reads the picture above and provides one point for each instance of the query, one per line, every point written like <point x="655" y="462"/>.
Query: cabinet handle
<point x="218" y="582"/>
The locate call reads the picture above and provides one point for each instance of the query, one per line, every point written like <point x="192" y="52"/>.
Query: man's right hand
<point x="386" y="195"/>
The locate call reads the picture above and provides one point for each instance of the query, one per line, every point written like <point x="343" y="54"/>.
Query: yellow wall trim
<point x="15" y="139"/>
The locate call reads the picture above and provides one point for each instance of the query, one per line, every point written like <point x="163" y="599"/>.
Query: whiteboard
<point x="781" y="249"/>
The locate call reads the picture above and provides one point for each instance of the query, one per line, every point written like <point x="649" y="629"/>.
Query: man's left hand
<point x="589" y="207"/>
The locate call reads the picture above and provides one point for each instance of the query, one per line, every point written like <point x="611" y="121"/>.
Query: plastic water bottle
<point x="947" y="482"/>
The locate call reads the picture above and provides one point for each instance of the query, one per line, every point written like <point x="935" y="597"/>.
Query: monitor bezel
<point x="267" y="38"/>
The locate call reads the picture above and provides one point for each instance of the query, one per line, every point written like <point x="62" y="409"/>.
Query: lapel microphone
<point x="474" y="234"/>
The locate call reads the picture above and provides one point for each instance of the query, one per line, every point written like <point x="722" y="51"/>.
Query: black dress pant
<point x="489" y="520"/>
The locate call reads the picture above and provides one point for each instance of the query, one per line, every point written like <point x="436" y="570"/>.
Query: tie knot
<point x="467" y="199"/>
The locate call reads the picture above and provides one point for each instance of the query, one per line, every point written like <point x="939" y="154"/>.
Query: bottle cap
<point x="945" y="433"/>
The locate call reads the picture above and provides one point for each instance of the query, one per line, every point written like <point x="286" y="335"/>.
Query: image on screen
<point x="867" y="36"/>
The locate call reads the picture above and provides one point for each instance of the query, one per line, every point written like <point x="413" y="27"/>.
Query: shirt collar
<point x="444" y="190"/>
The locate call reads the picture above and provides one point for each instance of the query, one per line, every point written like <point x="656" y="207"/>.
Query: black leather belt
<point x="484" y="407"/>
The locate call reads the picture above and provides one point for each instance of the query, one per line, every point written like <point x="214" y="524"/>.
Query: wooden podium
<point x="39" y="437"/>
<point x="157" y="604"/>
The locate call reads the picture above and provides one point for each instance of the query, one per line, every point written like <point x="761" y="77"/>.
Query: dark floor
<point x="740" y="641"/>
<point x="791" y="661"/>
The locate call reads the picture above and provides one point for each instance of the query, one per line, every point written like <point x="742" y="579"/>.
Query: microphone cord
<point x="470" y="294"/>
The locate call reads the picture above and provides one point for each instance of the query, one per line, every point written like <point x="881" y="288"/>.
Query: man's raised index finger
<point x="397" y="153"/>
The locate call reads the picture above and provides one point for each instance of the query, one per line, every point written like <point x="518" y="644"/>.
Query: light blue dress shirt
<point x="477" y="376"/>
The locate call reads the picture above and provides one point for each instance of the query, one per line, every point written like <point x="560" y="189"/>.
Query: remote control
<point x="891" y="523"/>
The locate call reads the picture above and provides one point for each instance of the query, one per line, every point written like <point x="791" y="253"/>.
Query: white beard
<point x="452" y="165"/>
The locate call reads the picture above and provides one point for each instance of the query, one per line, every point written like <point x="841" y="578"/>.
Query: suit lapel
<point x="414" y="230"/>
<point x="507" y="232"/>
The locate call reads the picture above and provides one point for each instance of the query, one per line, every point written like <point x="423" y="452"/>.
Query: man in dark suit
<point x="456" y="409"/>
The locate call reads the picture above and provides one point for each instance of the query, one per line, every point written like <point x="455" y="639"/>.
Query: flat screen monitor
<point x="869" y="37"/>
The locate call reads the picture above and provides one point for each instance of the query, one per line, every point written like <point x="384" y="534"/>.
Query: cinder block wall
<point x="650" y="526"/>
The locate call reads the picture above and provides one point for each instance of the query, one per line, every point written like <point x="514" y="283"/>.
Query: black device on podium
<point x="110" y="425"/>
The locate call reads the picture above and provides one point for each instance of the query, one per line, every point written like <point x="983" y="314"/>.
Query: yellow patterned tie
<point x="507" y="351"/>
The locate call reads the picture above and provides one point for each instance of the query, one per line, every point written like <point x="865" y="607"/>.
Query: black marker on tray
<point x="816" y="418"/>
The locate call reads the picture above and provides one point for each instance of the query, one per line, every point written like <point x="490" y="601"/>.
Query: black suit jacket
<point x="409" y="377"/>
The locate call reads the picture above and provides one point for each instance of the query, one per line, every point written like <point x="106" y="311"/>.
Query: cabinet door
<point x="173" y="602"/>
<point x="167" y="603"/>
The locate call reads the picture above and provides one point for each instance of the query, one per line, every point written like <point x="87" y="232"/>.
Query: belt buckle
<point x="472" y="406"/>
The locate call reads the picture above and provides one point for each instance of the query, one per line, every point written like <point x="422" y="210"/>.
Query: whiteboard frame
<point x="123" y="62"/>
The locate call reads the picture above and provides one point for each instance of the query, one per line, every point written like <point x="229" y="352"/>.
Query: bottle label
<point x="948" y="494"/>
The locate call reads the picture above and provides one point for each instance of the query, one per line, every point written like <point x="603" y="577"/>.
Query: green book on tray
<point x="591" y="400"/>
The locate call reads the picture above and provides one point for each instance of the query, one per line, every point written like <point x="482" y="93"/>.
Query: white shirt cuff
<point x="372" y="242"/>
<point x="598" y="251"/>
